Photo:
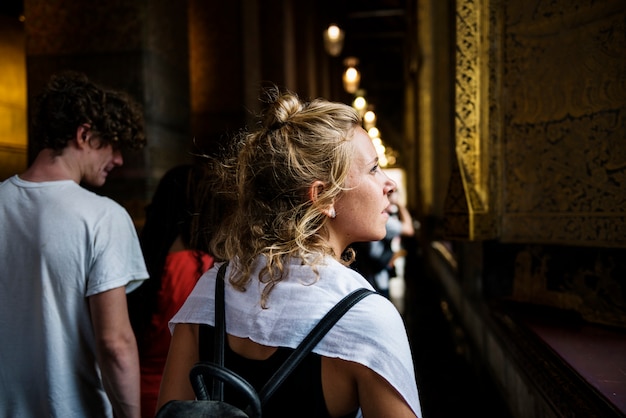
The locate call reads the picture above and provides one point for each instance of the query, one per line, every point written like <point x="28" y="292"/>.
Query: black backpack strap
<point x="294" y="359"/>
<point x="203" y="342"/>
<point x="215" y="371"/>
<point x="219" y="336"/>
<point x="311" y="340"/>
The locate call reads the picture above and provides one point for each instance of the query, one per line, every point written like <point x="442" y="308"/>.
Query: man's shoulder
<point x="8" y="181"/>
<point x="90" y="205"/>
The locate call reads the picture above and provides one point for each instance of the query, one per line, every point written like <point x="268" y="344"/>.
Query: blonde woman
<point x="306" y="185"/>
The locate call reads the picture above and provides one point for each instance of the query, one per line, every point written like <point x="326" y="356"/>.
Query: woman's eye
<point x="375" y="168"/>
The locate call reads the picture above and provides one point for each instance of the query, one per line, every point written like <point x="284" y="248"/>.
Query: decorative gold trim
<point x="477" y="113"/>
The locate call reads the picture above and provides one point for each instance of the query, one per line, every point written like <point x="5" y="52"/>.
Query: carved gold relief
<point x="565" y="123"/>
<point x="541" y="120"/>
<point x="476" y="114"/>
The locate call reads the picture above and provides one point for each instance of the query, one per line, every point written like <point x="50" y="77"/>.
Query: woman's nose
<point x="390" y="185"/>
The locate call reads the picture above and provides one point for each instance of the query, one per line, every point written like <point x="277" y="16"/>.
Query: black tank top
<point x="300" y="395"/>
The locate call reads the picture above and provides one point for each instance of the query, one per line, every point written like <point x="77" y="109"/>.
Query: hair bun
<point x="282" y="109"/>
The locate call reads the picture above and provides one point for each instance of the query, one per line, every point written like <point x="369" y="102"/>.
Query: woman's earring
<point x="332" y="213"/>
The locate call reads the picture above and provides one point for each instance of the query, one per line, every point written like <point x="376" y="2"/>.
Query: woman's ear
<point x="316" y="189"/>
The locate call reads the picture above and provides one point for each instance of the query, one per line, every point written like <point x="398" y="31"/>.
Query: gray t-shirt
<point x="60" y="243"/>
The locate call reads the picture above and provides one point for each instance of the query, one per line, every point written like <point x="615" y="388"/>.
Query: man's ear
<point x="316" y="189"/>
<point x="83" y="134"/>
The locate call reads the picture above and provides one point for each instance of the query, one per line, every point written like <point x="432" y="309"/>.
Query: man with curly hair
<point x="68" y="257"/>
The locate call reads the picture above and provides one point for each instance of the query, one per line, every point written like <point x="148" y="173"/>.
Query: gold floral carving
<point x="476" y="114"/>
<point x="541" y="120"/>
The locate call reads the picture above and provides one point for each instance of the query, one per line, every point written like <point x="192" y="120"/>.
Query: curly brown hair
<point x="70" y="100"/>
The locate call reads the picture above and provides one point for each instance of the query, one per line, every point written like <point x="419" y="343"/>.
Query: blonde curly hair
<point x="268" y="182"/>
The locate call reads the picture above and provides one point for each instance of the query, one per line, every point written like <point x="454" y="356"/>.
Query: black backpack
<point x="212" y="405"/>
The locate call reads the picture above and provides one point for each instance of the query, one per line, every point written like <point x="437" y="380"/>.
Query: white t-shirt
<point x="371" y="333"/>
<point x="59" y="244"/>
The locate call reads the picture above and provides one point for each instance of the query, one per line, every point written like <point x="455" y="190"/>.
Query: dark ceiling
<point x="11" y="8"/>
<point x="375" y="33"/>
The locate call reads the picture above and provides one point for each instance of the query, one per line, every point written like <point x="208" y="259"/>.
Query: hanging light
<point x="351" y="76"/>
<point x="359" y="103"/>
<point x="369" y="119"/>
<point x="333" y="40"/>
<point x="373" y="132"/>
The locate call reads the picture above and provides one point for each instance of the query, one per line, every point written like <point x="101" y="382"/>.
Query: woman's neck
<point x="178" y="245"/>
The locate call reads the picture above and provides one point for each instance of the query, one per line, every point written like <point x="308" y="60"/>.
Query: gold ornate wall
<point x="541" y="122"/>
<point x="477" y="119"/>
<point x="13" y="125"/>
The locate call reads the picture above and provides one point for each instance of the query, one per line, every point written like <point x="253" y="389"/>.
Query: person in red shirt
<point x="176" y="255"/>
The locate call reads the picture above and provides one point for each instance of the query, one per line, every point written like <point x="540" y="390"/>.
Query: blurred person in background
<point x="375" y="260"/>
<point x="176" y="252"/>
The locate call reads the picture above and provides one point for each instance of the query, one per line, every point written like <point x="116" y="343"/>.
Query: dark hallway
<point x="506" y="119"/>
<point x="449" y="386"/>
